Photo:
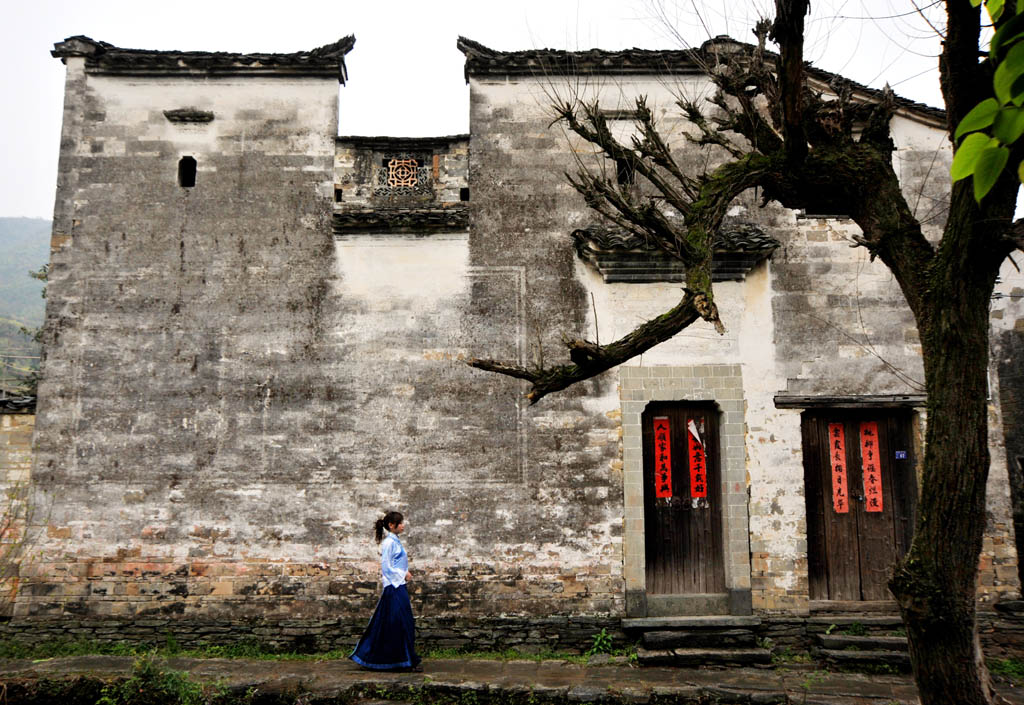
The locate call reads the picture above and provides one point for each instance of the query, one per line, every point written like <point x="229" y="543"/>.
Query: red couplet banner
<point x="662" y="457"/>
<point x="698" y="465"/>
<point x="837" y="457"/>
<point x="871" y="468"/>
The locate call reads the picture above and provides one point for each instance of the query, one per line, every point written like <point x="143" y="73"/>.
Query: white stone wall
<point x="820" y="318"/>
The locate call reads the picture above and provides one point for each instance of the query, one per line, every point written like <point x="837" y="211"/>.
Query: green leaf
<point x="966" y="157"/>
<point x="980" y="117"/>
<point x="987" y="169"/>
<point x="975" y="3"/>
<point x="995" y="9"/>
<point x="1010" y="32"/>
<point x="1020" y="172"/>
<point x="1009" y="70"/>
<point x="1008" y="125"/>
<point x="1017" y="91"/>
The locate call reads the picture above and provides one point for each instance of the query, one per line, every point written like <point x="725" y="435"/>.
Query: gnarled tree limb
<point x="590" y="360"/>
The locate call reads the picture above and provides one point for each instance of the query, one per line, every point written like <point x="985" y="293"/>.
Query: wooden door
<point x="682" y="499"/>
<point x="861" y="497"/>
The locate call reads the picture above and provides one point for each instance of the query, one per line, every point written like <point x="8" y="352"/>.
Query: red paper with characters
<point x="698" y="459"/>
<point x="837" y="459"/>
<point x="871" y="467"/>
<point x="662" y="457"/>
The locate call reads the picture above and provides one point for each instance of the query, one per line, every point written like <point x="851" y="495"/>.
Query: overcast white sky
<point x="405" y="74"/>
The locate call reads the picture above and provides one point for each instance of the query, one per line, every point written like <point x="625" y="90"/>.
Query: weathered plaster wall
<point x="15" y="448"/>
<point x="15" y="475"/>
<point x="248" y="393"/>
<point x="1007" y="427"/>
<point x="185" y="341"/>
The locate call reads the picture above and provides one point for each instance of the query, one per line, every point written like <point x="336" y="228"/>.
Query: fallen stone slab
<point x="864" y="643"/>
<point x="892" y="659"/>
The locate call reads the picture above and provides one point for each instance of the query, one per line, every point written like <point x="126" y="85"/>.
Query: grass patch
<point x="787" y="655"/>
<point x="253" y="650"/>
<point x="151" y="683"/>
<point x="61" y="648"/>
<point x="856" y="629"/>
<point x="1008" y="668"/>
<point x="15" y="649"/>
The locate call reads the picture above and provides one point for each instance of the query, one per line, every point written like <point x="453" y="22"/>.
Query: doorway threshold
<point x="688" y="605"/>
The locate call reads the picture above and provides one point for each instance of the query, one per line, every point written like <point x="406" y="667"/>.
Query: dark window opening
<point x="464" y="194"/>
<point x="187" y="172"/>
<point x="338" y="194"/>
<point x="625" y="173"/>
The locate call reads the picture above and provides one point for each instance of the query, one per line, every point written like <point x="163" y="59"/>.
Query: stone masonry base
<point x="1002" y="632"/>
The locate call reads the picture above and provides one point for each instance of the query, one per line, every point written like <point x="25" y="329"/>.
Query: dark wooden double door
<point x="861" y="497"/>
<point x="682" y="499"/>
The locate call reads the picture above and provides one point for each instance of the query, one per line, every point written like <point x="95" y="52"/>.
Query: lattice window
<point x="404" y="174"/>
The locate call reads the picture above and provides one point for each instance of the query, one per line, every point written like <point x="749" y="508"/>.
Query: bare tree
<point x="801" y="150"/>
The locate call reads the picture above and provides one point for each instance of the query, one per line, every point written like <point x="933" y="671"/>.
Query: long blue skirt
<point x="387" y="643"/>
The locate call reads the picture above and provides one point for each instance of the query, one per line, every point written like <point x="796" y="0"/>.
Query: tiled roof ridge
<point x="482" y="60"/>
<point x="103" y="57"/>
<point x="737" y="237"/>
<point x="18" y="405"/>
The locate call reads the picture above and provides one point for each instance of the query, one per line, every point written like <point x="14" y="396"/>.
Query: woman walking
<point x="387" y="643"/>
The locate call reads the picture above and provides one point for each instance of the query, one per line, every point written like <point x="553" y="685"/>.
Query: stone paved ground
<point x="549" y="680"/>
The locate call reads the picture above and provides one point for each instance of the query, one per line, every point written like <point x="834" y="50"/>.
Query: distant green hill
<point x="24" y="247"/>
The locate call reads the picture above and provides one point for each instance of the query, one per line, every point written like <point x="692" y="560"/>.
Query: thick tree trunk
<point x="935" y="584"/>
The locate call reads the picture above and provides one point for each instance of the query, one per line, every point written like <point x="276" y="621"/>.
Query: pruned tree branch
<point x="590" y="359"/>
<point x="594" y="129"/>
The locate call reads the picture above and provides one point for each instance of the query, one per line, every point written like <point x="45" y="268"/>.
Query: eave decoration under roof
<point x="416" y="220"/>
<point x="621" y="256"/>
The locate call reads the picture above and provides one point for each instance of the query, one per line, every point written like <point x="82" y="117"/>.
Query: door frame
<point x="687" y="556"/>
<point x="723" y="386"/>
<point x="901" y="499"/>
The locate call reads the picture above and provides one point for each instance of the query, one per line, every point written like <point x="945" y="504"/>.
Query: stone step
<point x="703" y="657"/>
<point x="875" y="624"/>
<point x="859" y="659"/>
<point x="722" y="638"/>
<point x="850" y="608"/>
<point x="691" y="623"/>
<point x="840" y="642"/>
